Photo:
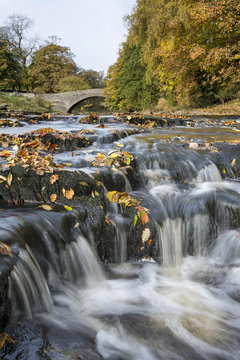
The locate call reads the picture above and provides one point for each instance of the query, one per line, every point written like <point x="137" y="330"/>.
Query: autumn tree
<point x="10" y="69"/>
<point x="50" y="64"/>
<point x="95" y="79"/>
<point x="72" y="83"/>
<point x="190" y="46"/>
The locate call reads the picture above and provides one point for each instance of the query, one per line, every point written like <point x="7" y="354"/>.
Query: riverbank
<point x="21" y="104"/>
<point x="229" y="108"/>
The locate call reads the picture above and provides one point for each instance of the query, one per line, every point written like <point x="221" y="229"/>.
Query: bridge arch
<point x="79" y="102"/>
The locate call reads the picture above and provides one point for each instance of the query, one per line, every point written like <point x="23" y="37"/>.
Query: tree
<point x="72" y="83"/>
<point x="15" y="33"/>
<point x="95" y="79"/>
<point x="9" y="68"/>
<point x="191" y="47"/>
<point x="128" y="87"/>
<point x="50" y="64"/>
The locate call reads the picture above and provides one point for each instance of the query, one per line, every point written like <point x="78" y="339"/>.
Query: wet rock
<point x="6" y="266"/>
<point x="10" y="123"/>
<point x="116" y="135"/>
<point x="26" y="186"/>
<point x="36" y="341"/>
<point x="162" y="121"/>
<point x="60" y="141"/>
<point x="4" y="301"/>
<point x="227" y="159"/>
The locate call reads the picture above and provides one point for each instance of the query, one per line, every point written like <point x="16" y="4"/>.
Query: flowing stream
<point x="66" y="304"/>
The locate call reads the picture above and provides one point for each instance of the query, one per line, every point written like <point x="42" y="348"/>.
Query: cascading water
<point x="185" y="307"/>
<point x="29" y="290"/>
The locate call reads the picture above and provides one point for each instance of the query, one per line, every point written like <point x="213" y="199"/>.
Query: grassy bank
<point x="229" y="108"/>
<point x="24" y="104"/>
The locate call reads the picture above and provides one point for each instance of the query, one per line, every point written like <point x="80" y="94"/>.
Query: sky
<point x="92" y="29"/>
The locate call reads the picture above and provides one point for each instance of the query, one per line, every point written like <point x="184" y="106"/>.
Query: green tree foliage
<point x="72" y="83"/>
<point x="191" y="47"/>
<point x="50" y="64"/>
<point x="10" y="69"/>
<point x="128" y="87"/>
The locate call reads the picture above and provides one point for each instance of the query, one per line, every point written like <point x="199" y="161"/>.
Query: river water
<point x="185" y="306"/>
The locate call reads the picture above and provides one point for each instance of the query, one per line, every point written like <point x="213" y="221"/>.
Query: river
<point x="182" y="305"/>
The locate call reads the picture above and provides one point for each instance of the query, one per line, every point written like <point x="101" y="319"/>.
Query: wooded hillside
<point x="185" y="51"/>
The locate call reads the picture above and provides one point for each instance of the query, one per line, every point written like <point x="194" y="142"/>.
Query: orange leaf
<point x="53" y="197"/>
<point x="149" y="242"/>
<point x="145" y="219"/>
<point x="69" y="194"/>
<point x="54" y="178"/>
<point x="5" y="249"/>
<point x="100" y="156"/>
<point x="40" y="172"/>
<point x="53" y="146"/>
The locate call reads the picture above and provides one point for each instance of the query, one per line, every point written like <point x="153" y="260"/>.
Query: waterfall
<point x="29" y="290"/>
<point x="176" y="297"/>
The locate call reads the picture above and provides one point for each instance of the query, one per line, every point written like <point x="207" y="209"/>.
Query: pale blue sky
<point x="93" y="29"/>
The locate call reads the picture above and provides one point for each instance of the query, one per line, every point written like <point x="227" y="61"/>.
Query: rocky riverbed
<point x="143" y="196"/>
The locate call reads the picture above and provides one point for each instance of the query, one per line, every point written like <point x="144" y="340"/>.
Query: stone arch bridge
<point x="65" y="102"/>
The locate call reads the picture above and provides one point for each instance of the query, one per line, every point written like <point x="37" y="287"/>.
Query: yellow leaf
<point x="224" y="171"/>
<point x="5" y="337"/>
<point x="111" y="196"/>
<point x="5" y="249"/>
<point x="114" y="155"/>
<point x="45" y="207"/>
<point x="69" y="208"/>
<point x="9" y="179"/>
<point x="68" y="164"/>
<point x="64" y="192"/>
<point x="84" y="183"/>
<point x="3" y="178"/>
<point x="135" y="220"/>
<point x="120" y="145"/>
